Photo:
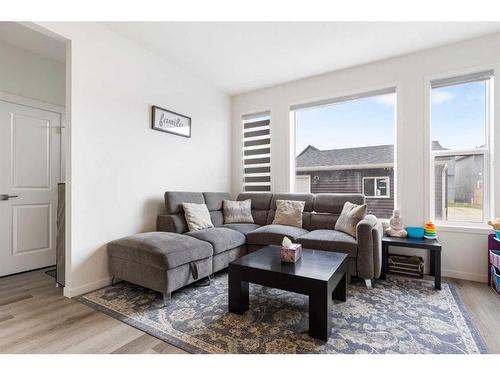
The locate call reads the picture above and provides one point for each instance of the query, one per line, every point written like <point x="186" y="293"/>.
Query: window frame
<point x="345" y="97"/>
<point x="488" y="79"/>
<point x="387" y="178"/>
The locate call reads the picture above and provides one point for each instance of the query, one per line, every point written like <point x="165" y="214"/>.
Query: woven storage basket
<point x="406" y="265"/>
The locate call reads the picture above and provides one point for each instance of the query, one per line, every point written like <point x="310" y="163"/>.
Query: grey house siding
<point x="460" y="182"/>
<point x="467" y="175"/>
<point x="350" y="181"/>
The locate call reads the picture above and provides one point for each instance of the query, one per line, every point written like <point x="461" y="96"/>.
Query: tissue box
<point x="291" y="254"/>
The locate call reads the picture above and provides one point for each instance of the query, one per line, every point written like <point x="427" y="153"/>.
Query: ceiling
<point x="23" y="37"/>
<point x="243" y="56"/>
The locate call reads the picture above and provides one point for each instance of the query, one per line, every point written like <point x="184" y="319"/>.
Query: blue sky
<point x="458" y="120"/>
<point x="458" y="115"/>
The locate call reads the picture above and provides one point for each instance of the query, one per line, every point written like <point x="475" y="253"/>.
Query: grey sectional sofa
<point x="173" y="257"/>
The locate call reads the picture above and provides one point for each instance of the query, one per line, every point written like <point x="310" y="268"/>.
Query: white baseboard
<point x="82" y="289"/>
<point x="74" y="292"/>
<point x="482" y="278"/>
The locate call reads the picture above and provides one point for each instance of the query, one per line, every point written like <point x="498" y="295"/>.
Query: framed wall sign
<point x="171" y="122"/>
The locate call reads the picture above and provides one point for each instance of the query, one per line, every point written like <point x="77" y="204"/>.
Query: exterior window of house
<point x="346" y="145"/>
<point x="256" y="152"/>
<point x="376" y="187"/>
<point x="459" y="147"/>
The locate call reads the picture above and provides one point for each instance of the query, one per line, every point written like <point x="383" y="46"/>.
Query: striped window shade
<point x="256" y="152"/>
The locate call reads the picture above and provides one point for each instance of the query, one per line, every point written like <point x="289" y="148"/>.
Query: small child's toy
<point x="495" y="223"/>
<point x="396" y="226"/>
<point x="415" y="232"/>
<point x="430" y="231"/>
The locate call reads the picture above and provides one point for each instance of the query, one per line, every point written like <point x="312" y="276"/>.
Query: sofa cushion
<point x="260" y="201"/>
<point x="273" y="234"/>
<point x="160" y="249"/>
<point x="197" y="216"/>
<point x="333" y="203"/>
<point x="237" y="211"/>
<point x="175" y="223"/>
<point x="214" y="200"/>
<point x="217" y="218"/>
<point x="351" y="215"/>
<point x="307" y="198"/>
<point x="221" y="239"/>
<point x="329" y="240"/>
<point x="175" y="199"/>
<point x="260" y="205"/>
<point x="242" y="227"/>
<point x="289" y="213"/>
<point x="308" y="206"/>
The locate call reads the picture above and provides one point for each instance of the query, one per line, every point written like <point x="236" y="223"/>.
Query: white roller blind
<point x="257" y="152"/>
<point x="474" y="77"/>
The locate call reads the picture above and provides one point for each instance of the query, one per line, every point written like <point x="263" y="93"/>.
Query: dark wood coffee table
<point x="321" y="275"/>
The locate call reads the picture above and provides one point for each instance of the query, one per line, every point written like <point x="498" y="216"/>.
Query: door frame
<point x="34" y="103"/>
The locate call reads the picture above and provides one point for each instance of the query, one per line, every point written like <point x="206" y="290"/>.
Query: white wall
<point x="27" y="74"/>
<point x="464" y="249"/>
<point x="119" y="167"/>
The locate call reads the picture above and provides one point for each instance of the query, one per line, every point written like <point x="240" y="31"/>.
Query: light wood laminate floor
<point x="36" y="318"/>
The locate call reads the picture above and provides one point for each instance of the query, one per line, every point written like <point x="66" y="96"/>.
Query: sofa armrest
<point x="175" y="223"/>
<point x="369" y="234"/>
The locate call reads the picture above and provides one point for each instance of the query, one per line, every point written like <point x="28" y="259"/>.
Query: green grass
<point x="464" y="205"/>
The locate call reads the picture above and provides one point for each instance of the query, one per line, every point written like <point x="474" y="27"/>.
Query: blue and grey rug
<point x="400" y="315"/>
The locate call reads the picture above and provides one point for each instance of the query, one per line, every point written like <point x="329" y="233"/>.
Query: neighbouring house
<point x="459" y="186"/>
<point x="368" y="170"/>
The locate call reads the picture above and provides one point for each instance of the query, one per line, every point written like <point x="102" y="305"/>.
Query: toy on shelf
<point x="396" y="226"/>
<point x="495" y="224"/>
<point x="430" y="231"/>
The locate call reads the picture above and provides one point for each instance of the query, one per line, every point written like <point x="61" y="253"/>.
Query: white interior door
<point x="30" y="146"/>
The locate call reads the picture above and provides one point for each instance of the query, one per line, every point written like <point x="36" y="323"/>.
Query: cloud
<point x="388" y="99"/>
<point x="441" y="96"/>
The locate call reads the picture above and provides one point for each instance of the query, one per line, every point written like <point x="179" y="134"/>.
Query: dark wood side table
<point x="415" y="243"/>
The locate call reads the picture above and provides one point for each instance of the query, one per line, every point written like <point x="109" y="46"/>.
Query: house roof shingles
<point x="356" y="156"/>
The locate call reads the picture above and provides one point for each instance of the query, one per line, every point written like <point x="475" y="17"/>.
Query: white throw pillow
<point x="197" y="216"/>
<point x="237" y="211"/>
<point x="351" y="215"/>
<point x="289" y="213"/>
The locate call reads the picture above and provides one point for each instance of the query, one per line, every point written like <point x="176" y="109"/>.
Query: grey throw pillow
<point x="351" y="215"/>
<point x="237" y="211"/>
<point x="197" y="216"/>
<point x="289" y="213"/>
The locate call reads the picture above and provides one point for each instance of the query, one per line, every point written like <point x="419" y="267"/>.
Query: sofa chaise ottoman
<point x="160" y="261"/>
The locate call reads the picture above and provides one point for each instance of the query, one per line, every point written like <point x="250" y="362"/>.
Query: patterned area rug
<point x="400" y="315"/>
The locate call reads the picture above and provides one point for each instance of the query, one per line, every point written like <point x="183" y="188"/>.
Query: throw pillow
<point x="289" y="213"/>
<point x="197" y="216"/>
<point x="237" y="211"/>
<point x="351" y="215"/>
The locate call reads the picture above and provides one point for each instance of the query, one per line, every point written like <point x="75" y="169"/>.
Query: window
<point x="346" y="145"/>
<point x="256" y="152"/>
<point x="459" y="147"/>
<point x="376" y="187"/>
